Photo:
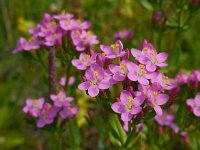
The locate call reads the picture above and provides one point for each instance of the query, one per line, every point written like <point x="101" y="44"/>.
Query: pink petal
<point x="138" y="100"/>
<point x="158" y="110"/>
<point x="136" y="53"/>
<point x="118" y="107"/>
<point x="93" y="91"/>
<point x="162" y="99"/>
<point x="197" y="98"/>
<point x="104" y="84"/>
<point x="161" y="64"/>
<point x="127" y="116"/>
<point x="162" y="57"/>
<point x="124" y="96"/>
<point x="136" y="110"/>
<point x="131" y="66"/>
<point x="132" y="76"/>
<point x="84" y="85"/>
<point x="143" y="81"/>
<point x="114" y="68"/>
<point x="190" y="102"/>
<point x="119" y="76"/>
<point x="196" y="111"/>
<point x="143" y="60"/>
<point x="150" y="67"/>
<point x="53" y="97"/>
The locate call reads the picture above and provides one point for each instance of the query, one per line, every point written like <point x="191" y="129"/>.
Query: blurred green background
<point x="21" y="77"/>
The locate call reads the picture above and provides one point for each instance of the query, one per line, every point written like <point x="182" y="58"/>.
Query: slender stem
<point x="52" y="71"/>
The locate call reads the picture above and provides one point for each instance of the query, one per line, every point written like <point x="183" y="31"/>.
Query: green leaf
<point x="147" y="5"/>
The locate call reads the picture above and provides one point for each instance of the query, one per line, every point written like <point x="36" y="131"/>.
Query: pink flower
<point x="119" y="72"/>
<point x="167" y="120"/>
<point x="33" y="106"/>
<point x="47" y="115"/>
<point x="194" y="78"/>
<point x="137" y="73"/>
<point x="70" y="82"/>
<point x="195" y="104"/>
<point x="84" y="61"/>
<point x="150" y="58"/>
<point x="128" y="106"/>
<point x="60" y="99"/>
<point x="95" y="80"/>
<point x="113" y="51"/>
<point x="68" y="112"/>
<point x="83" y="39"/>
<point x="26" y="45"/>
<point x="124" y="34"/>
<point x="181" y="78"/>
<point x="156" y="99"/>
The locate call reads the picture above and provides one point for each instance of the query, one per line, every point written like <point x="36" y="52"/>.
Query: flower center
<point x="130" y="99"/>
<point x="128" y="106"/>
<point x="95" y="74"/>
<point x="115" y="47"/>
<point x="155" y="93"/>
<point x="93" y="82"/>
<point x="155" y="103"/>
<point x="152" y="52"/>
<point x="145" y="48"/>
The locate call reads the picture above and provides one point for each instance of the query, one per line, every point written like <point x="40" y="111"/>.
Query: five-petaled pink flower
<point x="195" y="104"/>
<point x="128" y="106"/>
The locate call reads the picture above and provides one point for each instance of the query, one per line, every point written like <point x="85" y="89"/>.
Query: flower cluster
<point x="53" y="29"/>
<point x="46" y="112"/>
<point x="113" y="65"/>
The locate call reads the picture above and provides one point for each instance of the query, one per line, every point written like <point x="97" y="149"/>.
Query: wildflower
<point x="47" y="115"/>
<point x="70" y="81"/>
<point x="166" y="82"/>
<point x="119" y="72"/>
<point x="167" y="120"/>
<point x="128" y="106"/>
<point x="181" y="78"/>
<point x="137" y="73"/>
<point x="60" y="99"/>
<point x="33" y="106"/>
<point x="68" y="112"/>
<point x="195" y="104"/>
<point x="26" y="45"/>
<point x="124" y="34"/>
<point x="113" y="51"/>
<point x="194" y="78"/>
<point x="150" y="59"/>
<point x="84" y="61"/>
<point x="156" y="99"/>
<point x="83" y="39"/>
<point x="95" y="80"/>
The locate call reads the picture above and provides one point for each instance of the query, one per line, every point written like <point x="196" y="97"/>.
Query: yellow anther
<point x="130" y="99"/>
<point x="35" y="101"/>
<point x="141" y="66"/>
<point x="49" y="107"/>
<point x="87" y="56"/>
<point x="165" y="77"/>
<point x="89" y="32"/>
<point x="95" y="74"/>
<point x="92" y="82"/>
<point x="123" y="66"/>
<point x="78" y="20"/>
<point x="103" y="54"/>
<point x="82" y="60"/>
<point x="155" y="60"/>
<point x="155" y="103"/>
<point x="78" y="32"/>
<point x="115" y="46"/>
<point x="155" y="93"/>
<point x="68" y="20"/>
<point x="148" y="86"/>
<point x="167" y="82"/>
<point x="128" y="106"/>
<point x="152" y="52"/>
<point x="143" y="71"/>
<point x="145" y="48"/>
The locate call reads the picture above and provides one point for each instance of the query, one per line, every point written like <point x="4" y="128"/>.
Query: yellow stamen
<point x="95" y="74"/>
<point x="130" y="99"/>
<point x="155" y="103"/>
<point x="145" y="48"/>
<point x="87" y="56"/>
<point x="103" y="54"/>
<point x="155" y="60"/>
<point x="115" y="46"/>
<point x="152" y="52"/>
<point x="141" y="66"/>
<point x="143" y="71"/>
<point x="92" y="82"/>
<point x="123" y="66"/>
<point x="128" y="106"/>
<point x="155" y="93"/>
